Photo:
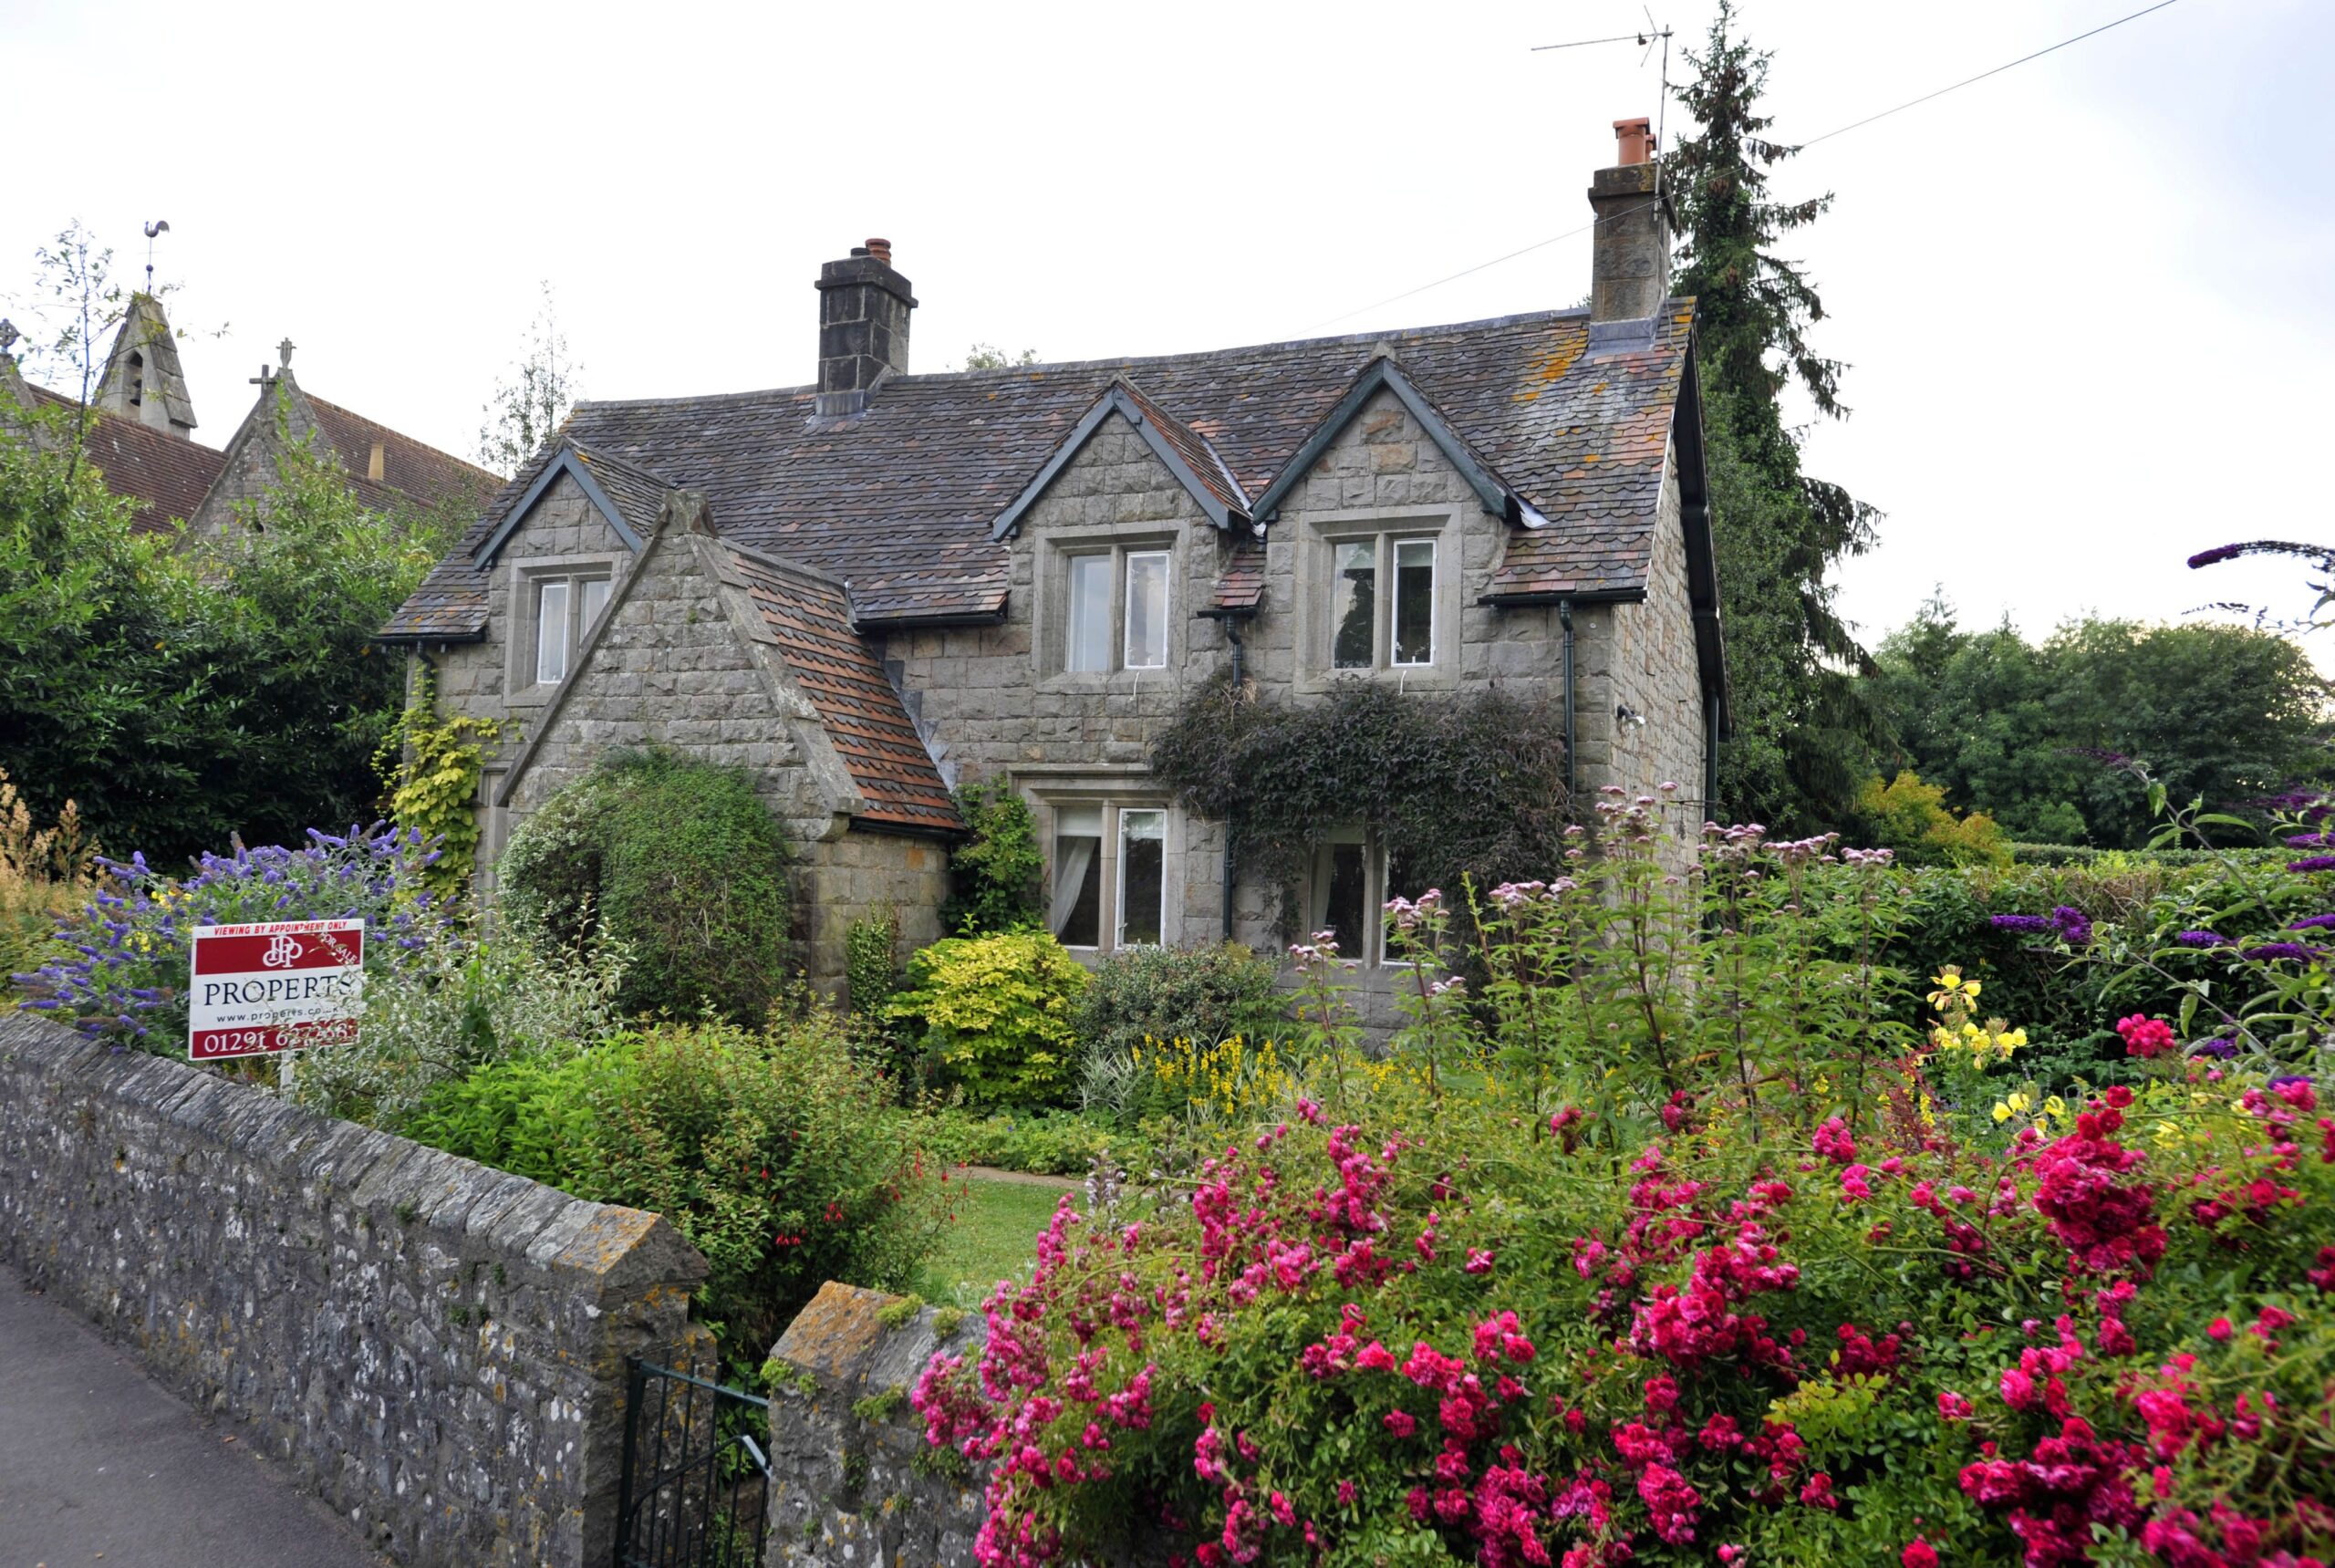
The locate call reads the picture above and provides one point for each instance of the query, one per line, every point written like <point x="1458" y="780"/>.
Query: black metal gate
<point x="694" y="1490"/>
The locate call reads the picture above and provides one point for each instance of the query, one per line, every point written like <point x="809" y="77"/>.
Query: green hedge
<point x="678" y="861"/>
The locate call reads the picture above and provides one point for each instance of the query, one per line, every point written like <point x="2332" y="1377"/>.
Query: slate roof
<point x="899" y="501"/>
<point x="811" y="618"/>
<point x="410" y="472"/>
<point x="166" y="475"/>
<point x="1194" y="449"/>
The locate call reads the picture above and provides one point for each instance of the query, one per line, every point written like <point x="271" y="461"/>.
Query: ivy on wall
<point x="432" y="764"/>
<point x="1454" y="786"/>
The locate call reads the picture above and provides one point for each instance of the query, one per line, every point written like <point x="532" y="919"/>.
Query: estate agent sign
<point x="281" y="985"/>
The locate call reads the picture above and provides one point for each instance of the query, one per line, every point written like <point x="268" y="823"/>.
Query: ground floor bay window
<point x="1353" y="875"/>
<point x="1109" y="883"/>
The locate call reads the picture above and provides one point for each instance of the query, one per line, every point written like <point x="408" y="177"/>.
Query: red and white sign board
<point x="281" y="985"/>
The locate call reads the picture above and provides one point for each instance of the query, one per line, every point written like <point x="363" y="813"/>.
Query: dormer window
<point x="564" y="610"/>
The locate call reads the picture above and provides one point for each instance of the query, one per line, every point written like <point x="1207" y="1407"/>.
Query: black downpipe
<point x="1572" y="768"/>
<point x="1231" y="634"/>
<point x="1710" y="758"/>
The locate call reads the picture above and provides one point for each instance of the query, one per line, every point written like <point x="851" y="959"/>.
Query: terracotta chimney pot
<point x="882" y="249"/>
<point x="1637" y="136"/>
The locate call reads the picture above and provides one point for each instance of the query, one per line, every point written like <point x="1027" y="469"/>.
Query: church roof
<point x="900" y="501"/>
<point x="412" y="473"/>
<point x="165" y="475"/>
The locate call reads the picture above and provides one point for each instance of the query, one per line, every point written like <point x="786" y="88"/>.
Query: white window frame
<point x="573" y="576"/>
<point x="1110" y="858"/>
<point x="1118" y="639"/>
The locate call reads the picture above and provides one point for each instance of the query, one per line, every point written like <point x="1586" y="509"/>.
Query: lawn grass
<point x="994" y="1237"/>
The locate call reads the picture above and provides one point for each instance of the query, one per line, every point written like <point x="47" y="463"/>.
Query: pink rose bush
<point x="1522" y="1317"/>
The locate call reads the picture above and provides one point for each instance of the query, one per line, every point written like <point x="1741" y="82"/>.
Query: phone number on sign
<point x="209" y="1043"/>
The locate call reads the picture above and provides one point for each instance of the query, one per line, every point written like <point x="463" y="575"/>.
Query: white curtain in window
<point x="1078" y="834"/>
<point x="1072" y="858"/>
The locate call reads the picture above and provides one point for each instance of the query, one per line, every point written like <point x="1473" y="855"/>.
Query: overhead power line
<point x="1841" y="130"/>
<point x="1982" y="76"/>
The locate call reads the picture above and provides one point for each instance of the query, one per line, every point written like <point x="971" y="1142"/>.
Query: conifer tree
<point x="1800" y="719"/>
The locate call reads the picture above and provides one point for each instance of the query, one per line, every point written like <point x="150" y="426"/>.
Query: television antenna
<point x="1653" y="34"/>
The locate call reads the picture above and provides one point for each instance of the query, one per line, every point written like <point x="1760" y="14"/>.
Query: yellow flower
<point x="2002" y="1112"/>
<point x="2056" y="1108"/>
<point x="2019" y="1102"/>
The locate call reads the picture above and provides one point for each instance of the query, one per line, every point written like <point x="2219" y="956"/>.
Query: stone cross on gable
<point x="8" y="335"/>
<point x="267" y="378"/>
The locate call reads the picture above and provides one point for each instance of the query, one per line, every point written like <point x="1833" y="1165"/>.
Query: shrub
<point x="1913" y="818"/>
<point x="1201" y="995"/>
<point x="999" y="1013"/>
<point x="1695" y="1262"/>
<point x="779" y="1158"/>
<point x="44" y="873"/>
<point x="457" y="1004"/>
<point x="126" y="976"/>
<point x="677" y="859"/>
<point x="1045" y="1143"/>
<point x="996" y="876"/>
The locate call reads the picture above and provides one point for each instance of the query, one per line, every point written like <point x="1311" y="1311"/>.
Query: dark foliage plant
<point x="675" y="859"/>
<point x="1453" y="787"/>
<point x="1203" y="994"/>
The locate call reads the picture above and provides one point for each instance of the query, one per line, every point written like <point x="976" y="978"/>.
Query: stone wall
<point x="436" y="1349"/>
<point x="853" y="1482"/>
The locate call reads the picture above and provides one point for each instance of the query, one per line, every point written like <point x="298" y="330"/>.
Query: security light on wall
<point x="1627" y="718"/>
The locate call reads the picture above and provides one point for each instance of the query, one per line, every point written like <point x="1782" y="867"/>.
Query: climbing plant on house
<point x="1451" y="786"/>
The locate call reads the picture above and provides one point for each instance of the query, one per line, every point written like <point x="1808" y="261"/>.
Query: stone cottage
<point x="142" y="436"/>
<point x="872" y="588"/>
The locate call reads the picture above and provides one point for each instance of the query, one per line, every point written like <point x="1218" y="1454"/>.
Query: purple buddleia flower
<point x="2033" y="925"/>
<point x="2275" y="952"/>
<point x="2312" y="923"/>
<point x="2312" y="863"/>
<point x="2201" y="939"/>
<point x="2075" y="926"/>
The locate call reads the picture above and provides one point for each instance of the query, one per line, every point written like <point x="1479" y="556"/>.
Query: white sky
<point x="2084" y="301"/>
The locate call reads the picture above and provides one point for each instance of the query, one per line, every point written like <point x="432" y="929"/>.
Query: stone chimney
<point x="864" y="308"/>
<point x="1630" y="265"/>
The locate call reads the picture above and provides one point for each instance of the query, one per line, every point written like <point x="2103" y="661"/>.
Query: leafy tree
<point x="990" y="356"/>
<point x="1799" y="713"/>
<point x="2029" y="732"/>
<point x="534" y="401"/>
<point x="186" y="692"/>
